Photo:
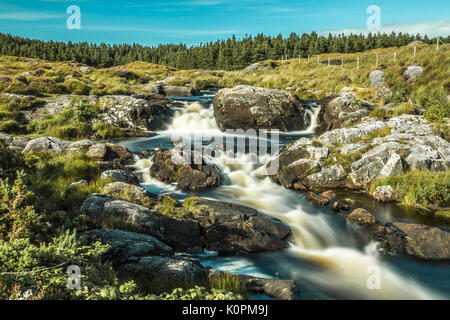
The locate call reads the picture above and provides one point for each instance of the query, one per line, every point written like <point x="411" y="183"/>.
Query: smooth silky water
<point x="327" y="258"/>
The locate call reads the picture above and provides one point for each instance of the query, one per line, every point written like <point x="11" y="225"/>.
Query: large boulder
<point x="246" y="107"/>
<point x="229" y="228"/>
<point x="338" y="111"/>
<point x="188" y="176"/>
<point x="134" y="113"/>
<point x="377" y="79"/>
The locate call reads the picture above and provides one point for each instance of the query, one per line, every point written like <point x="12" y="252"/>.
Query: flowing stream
<point x="326" y="258"/>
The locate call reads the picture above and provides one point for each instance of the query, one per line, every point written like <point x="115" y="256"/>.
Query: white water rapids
<point x="322" y="239"/>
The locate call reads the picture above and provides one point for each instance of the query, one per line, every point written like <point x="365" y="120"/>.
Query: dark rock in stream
<point x="197" y="224"/>
<point x="188" y="176"/>
<point x="417" y="240"/>
<point x="229" y="228"/>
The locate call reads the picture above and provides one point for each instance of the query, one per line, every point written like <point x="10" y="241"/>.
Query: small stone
<point x="384" y="193"/>
<point x="362" y="217"/>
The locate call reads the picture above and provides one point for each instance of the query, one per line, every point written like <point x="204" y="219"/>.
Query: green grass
<point x="380" y="133"/>
<point x="422" y="189"/>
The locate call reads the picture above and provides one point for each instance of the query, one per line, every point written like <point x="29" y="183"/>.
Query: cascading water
<point x="324" y="253"/>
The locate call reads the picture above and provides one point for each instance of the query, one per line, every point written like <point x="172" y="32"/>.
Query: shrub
<point x="75" y="86"/>
<point x="420" y="188"/>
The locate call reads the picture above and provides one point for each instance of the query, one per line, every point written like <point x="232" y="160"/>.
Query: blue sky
<point x="173" y="21"/>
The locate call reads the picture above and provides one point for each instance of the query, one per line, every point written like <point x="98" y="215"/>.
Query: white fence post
<point x="318" y="59"/>
<point x="329" y="61"/>
<point x="415" y="49"/>
<point x="437" y="44"/>
<point x="377" y="60"/>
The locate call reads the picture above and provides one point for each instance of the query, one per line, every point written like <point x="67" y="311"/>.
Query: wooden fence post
<point x="377" y="61"/>
<point x="357" y="64"/>
<point x="395" y="56"/>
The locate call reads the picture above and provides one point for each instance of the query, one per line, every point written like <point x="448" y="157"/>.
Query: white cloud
<point x="432" y="28"/>
<point x="29" y="15"/>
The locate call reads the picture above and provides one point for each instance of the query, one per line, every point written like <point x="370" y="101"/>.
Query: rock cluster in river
<point x="374" y="149"/>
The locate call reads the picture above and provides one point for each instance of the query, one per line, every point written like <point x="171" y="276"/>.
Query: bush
<point x="75" y="86"/>
<point x="420" y="188"/>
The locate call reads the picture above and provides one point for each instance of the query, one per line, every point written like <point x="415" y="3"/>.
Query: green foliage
<point x="231" y="54"/>
<point x="227" y="282"/>
<point x="420" y="188"/>
<point x="10" y="163"/>
<point x="200" y="293"/>
<point x="107" y="131"/>
<point x="75" y="86"/>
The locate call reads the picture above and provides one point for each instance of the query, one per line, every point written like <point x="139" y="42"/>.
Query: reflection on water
<point x="327" y="259"/>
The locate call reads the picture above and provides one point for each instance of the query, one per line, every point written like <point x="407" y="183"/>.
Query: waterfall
<point x="318" y="237"/>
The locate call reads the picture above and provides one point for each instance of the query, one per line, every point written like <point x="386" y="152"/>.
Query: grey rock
<point x="384" y="193"/>
<point x="393" y="167"/>
<point x="46" y="145"/>
<point x="178" y="91"/>
<point x="412" y="73"/>
<point x="251" y="68"/>
<point x="180" y="234"/>
<point x="126" y="246"/>
<point x="377" y="79"/>
<point x="328" y="178"/>
<point x="120" y="176"/>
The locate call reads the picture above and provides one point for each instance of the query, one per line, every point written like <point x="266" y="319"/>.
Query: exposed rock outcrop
<point x="216" y="226"/>
<point x="245" y="107"/>
<point x="362" y="154"/>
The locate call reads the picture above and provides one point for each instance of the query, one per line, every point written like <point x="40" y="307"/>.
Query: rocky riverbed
<point x="163" y="219"/>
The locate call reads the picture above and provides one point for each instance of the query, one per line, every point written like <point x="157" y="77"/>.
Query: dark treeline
<point x="230" y="54"/>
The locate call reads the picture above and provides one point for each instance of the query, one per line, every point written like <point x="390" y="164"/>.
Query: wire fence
<point x="374" y="59"/>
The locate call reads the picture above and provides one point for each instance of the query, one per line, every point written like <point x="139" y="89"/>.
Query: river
<point x="327" y="258"/>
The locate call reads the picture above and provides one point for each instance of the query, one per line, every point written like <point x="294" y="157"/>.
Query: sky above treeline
<point x="151" y="22"/>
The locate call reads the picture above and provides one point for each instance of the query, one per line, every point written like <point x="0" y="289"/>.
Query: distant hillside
<point x="230" y="54"/>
